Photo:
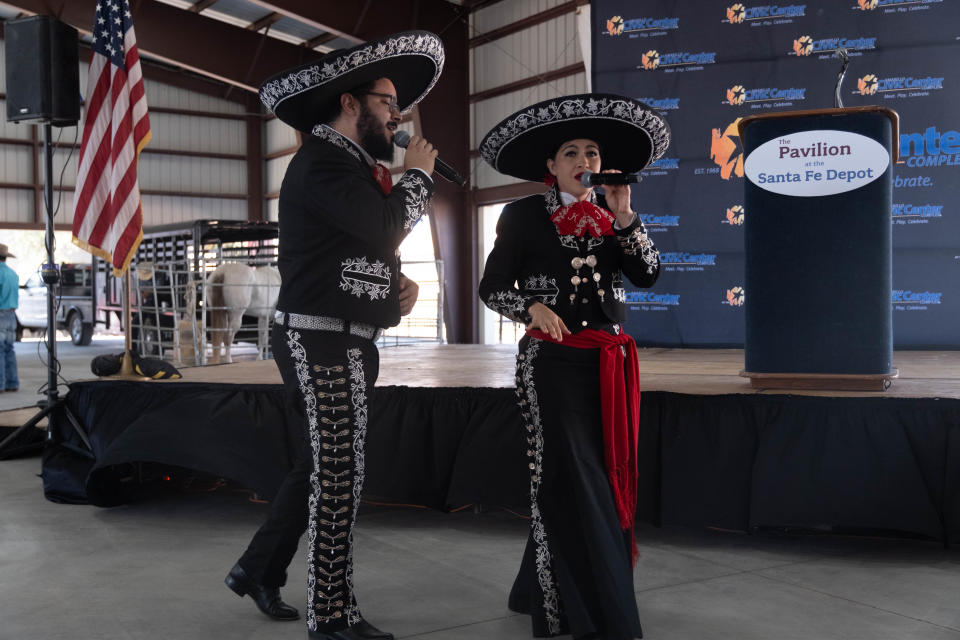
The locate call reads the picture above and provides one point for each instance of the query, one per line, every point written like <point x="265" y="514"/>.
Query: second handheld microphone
<point x="591" y="179"/>
<point x="402" y="139"/>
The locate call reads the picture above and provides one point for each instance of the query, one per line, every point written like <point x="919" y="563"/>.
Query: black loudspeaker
<point x="43" y="71"/>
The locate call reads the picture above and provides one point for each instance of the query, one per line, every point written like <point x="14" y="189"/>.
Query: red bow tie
<point x="382" y="175"/>
<point x="583" y="217"/>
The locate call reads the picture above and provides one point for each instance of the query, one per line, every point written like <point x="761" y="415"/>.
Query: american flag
<point x="107" y="214"/>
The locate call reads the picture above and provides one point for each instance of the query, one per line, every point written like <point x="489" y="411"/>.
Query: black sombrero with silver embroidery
<point x="630" y="134"/>
<point x="412" y="60"/>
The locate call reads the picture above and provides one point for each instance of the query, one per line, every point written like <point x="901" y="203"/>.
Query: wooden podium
<point x="818" y="242"/>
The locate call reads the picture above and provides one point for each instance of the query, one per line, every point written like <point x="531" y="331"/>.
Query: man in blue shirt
<point x="9" y="291"/>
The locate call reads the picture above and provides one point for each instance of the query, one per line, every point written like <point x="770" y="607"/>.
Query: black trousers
<point x="331" y="376"/>
<point x="576" y="575"/>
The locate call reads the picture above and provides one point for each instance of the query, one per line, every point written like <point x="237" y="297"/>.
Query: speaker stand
<point x="53" y="406"/>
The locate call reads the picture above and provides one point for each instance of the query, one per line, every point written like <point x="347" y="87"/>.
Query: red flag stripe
<point x="108" y="214"/>
<point x="93" y="132"/>
<point x="119" y="161"/>
<point x="124" y="164"/>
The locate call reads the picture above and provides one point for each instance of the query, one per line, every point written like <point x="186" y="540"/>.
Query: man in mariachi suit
<point x="341" y="223"/>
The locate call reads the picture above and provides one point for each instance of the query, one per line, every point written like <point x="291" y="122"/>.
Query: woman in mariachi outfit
<point x="557" y="266"/>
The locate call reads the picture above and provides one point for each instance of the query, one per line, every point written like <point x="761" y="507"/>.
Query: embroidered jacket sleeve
<point x="498" y="286"/>
<point x="351" y="202"/>
<point x="641" y="260"/>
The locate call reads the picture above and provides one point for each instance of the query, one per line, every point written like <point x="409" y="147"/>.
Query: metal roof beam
<point x="323" y="38"/>
<point x="217" y="50"/>
<point x="362" y="21"/>
<point x="265" y="21"/>
<point x="200" y="6"/>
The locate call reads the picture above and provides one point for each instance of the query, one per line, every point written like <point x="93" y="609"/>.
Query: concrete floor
<point x="154" y="569"/>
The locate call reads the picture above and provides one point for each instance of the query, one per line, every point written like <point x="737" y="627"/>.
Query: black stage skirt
<point x="576" y="575"/>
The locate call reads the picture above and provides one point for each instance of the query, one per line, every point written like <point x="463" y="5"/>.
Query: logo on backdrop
<point x="867" y="85"/>
<point x="891" y="5"/>
<point x="765" y="15"/>
<point x="736" y="95"/>
<point x="679" y="61"/>
<point x="807" y="46"/>
<point x="651" y="301"/>
<point x="680" y="261"/>
<point x="641" y="27"/>
<point x="734" y="216"/>
<point x="915" y="213"/>
<point x="661" y="104"/>
<point x="663" y="164"/>
<point x="816" y="163"/>
<point x="615" y="26"/>
<point x="661" y="167"/>
<point x="726" y="151"/>
<point x="765" y="97"/>
<point x="906" y="300"/>
<point x="897" y="86"/>
<point x="658" y="224"/>
<point x="735" y="297"/>
<point x="930" y="148"/>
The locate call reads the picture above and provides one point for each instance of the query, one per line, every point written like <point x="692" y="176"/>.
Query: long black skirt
<point x="576" y="575"/>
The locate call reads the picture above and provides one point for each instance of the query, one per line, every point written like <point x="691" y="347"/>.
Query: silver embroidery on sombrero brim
<point x="576" y="109"/>
<point x="293" y="84"/>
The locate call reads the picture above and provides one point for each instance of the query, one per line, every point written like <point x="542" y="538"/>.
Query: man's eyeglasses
<point x="393" y="104"/>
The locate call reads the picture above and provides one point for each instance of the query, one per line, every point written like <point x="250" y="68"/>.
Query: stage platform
<point x="923" y="374"/>
<point x="444" y="431"/>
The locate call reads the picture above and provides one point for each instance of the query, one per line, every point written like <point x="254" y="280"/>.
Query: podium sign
<point x="818" y="242"/>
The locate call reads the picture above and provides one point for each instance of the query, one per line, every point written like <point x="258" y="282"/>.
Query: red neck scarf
<point x="382" y="175"/>
<point x="582" y="217"/>
<point x="619" y="410"/>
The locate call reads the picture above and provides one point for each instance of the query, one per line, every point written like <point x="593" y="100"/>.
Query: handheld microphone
<point x="402" y="139"/>
<point x="591" y="179"/>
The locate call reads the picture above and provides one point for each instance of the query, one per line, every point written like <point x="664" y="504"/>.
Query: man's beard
<point x="372" y="138"/>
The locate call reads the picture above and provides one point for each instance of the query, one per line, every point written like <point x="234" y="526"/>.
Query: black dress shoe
<point x="267" y="599"/>
<point x="363" y="630"/>
<point x="367" y="631"/>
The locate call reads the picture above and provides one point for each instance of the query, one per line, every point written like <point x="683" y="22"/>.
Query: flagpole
<point x="116" y="118"/>
<point x="127" y="367"/>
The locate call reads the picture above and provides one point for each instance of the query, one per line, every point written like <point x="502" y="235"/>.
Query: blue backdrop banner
<point x="705" y="65"/>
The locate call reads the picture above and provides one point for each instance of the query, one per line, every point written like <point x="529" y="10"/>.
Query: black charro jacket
<point x="531" y="262"/>
<point x="339" y="234"/>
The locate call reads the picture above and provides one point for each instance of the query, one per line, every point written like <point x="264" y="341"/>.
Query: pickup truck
<point x="74" y="304"/>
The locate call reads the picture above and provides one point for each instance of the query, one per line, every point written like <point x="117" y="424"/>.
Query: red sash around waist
<point x="619" y="410"/>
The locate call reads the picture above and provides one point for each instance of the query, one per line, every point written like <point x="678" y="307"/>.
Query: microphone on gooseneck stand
<point x="402" y="139"/>
<point x="845" y="60"/>
<point x="591" y="179"/>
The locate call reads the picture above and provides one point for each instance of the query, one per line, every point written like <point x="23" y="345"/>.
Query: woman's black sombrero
<point x="413" y="60"/>
<point x="630" y="134"/>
